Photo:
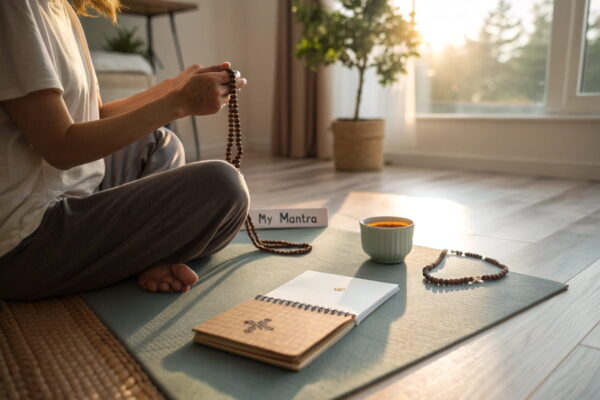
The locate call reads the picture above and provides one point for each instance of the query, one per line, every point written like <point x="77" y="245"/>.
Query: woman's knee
<point x="169" y="143"/>
<point x="222" y="181"/>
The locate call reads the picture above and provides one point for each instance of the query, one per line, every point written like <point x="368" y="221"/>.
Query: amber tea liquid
<point x="389" y="224"/>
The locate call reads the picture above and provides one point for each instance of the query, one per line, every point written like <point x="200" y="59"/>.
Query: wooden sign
<point x="289" y="218"/>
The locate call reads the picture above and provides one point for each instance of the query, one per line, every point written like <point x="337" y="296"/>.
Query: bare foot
<point x="167" y="278"/>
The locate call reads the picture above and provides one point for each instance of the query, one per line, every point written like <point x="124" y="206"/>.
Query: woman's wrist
<point x="166" y="86"/>
<point x="172" y="102"/>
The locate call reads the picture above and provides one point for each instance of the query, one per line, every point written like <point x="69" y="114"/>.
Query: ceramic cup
<point x="386" y="245"/>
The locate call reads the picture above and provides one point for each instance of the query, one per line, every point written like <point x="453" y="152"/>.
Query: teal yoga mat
<point x="415" y="323"/>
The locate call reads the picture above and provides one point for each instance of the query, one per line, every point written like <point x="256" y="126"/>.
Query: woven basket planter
<point x="358" y="145"/>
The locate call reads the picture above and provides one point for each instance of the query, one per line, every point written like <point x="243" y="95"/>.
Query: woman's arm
<point x="130" y="103"/>
<point x="43" y="118"/>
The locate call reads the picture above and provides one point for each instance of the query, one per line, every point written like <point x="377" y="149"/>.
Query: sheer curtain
<point x="395" y="104"/>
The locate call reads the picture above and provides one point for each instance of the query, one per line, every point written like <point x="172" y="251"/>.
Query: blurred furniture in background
<point x="121" y="74"/>
<point x="154" y="8"/>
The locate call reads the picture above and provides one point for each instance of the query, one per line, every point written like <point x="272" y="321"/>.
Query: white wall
<point x="239" y="31"/>
<point x="257" y="103"/>
<point x="552" y="146"/>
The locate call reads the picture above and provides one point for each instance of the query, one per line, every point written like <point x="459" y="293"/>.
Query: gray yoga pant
<point x="149" y="209"/>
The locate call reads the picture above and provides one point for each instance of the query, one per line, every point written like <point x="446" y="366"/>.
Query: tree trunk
<point x="361" y="80"/>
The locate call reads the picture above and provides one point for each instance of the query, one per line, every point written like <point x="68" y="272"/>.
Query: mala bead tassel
<point x="235" y="132"/>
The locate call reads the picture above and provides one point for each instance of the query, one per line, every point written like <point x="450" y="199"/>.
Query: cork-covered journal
<point x="293" y="324"/>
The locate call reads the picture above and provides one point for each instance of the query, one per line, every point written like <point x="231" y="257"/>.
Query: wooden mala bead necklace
<point x="466" y="279"/>
<point x="282" y="247"/>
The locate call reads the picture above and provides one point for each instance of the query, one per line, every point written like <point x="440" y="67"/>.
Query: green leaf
<point x="124" y="41"/>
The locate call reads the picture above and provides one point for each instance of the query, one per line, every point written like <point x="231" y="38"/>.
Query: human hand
<point x="196" y="68"/>
<point x="202" y="90"/>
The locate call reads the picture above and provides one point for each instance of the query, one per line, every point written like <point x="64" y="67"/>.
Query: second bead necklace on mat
<point x="467" y="279"/>
<point x="282" y="247"/>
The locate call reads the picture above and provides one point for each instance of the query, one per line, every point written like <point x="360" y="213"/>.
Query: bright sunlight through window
<point x="482" y="56"/>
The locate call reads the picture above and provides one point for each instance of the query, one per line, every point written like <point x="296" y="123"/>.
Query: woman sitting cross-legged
<point x="88" y="196"/>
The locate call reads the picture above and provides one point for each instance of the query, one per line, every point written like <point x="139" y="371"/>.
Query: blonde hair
<point x="108" y="8"/>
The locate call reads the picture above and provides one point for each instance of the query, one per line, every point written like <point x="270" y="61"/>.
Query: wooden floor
<point x="540" y="226"/>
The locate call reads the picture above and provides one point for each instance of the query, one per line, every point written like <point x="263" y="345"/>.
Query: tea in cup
<point x="388" y="240"/>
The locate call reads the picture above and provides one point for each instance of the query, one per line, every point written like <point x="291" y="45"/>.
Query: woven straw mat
<point x="59" y="349"/>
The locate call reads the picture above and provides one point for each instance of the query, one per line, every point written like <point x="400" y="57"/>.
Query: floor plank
<point x="541" y="219"/>
<point x="593" y="339"/>
<point x="577" y="377"/>
<point x="562" y="254"/>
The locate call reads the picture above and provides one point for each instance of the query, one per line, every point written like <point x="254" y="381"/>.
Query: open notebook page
<point x="345" y="293"/>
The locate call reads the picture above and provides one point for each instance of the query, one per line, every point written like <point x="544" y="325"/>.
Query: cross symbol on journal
<point x="252" y="325"/>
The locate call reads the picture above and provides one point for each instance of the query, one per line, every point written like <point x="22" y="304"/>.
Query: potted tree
<point x="361" y="34"/>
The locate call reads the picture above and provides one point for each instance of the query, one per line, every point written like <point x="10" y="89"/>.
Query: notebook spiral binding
<point x="304" y="306"/>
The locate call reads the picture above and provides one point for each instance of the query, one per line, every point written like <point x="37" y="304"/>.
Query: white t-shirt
<point x="42" y="46"/>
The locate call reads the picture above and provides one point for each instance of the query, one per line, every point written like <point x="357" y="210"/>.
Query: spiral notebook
<point x="292" y="325"/>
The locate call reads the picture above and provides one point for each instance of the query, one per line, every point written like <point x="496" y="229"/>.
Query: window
<point x="508" y="56"/>
<point x="590" y="82"/>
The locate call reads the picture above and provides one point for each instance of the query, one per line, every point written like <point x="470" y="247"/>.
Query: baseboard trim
<point x="260" y="146"/>
<point x="208" y="151"/>
<point x="497" y="164"/>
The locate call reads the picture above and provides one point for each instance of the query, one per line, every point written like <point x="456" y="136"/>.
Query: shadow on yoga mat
<point x="417" y="322"/>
